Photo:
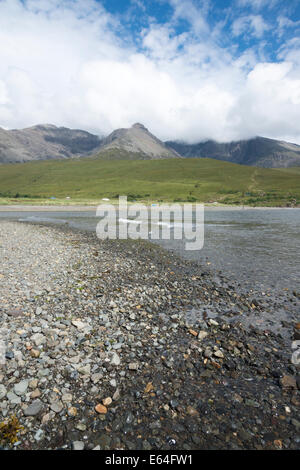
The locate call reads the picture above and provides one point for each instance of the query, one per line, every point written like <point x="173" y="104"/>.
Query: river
<point x="258" y="248"/>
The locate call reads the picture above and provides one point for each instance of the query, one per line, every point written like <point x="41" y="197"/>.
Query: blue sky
<point x="243" y="24"/>
<point x="187" y="69"/>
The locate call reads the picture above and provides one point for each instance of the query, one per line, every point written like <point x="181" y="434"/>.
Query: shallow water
<point x="258" y="247"/>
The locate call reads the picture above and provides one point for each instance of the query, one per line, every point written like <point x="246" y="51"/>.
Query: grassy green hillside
<point x="204" y="180"/>
<point x="293" y="169"/>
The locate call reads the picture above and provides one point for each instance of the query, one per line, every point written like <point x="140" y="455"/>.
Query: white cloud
<point x="161" y="42"/>
<point x="195" y="15"/>
<point x="270" y="97"/>
<point x="251" y="24"/>
<point x="285" y="23"/>
<point x="67" y="63"/>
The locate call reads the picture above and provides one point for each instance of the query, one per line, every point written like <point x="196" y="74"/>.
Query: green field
<point x="204" y="180"/>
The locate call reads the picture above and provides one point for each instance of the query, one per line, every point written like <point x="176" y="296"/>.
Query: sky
<point x="188" y="70"/>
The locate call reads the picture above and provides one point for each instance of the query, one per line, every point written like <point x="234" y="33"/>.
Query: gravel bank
<point x="112" y="345"/>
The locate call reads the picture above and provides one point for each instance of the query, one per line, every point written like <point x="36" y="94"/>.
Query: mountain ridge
<point x="47" y="142"/>
<point x="138" y="140"/>
<point x="258" y="151"/>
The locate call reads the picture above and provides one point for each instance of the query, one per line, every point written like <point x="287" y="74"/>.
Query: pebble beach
<point x="111" y="345"/>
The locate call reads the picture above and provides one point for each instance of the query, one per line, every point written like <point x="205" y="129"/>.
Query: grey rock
<point x="115" y="360"/>
<point x="34" y="408"/>
<point x="39" y="435"/>
<point x="78" y="445"/>
<point x="21" y="387"/>
<point x="13" y="398"/>
<point x="2" y="391"/>
<point x="38" y="339"/>
<point x="57" y="406"/>
<point x="85" y="370"/>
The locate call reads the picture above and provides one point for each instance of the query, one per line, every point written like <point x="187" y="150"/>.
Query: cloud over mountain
<point x="186" y="69"/>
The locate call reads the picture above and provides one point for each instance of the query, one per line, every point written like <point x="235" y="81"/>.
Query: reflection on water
<point x="257" y="247"/>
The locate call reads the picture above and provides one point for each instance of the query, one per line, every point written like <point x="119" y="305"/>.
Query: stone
<point x="219" y="354"/>
<point x="95" y="378"/>
<point x="38" y="435"/>
<point x="85" y="370"/>
<point x="208" y="353"/>
<point x="47" y="417"/>
<point x="288" y="381"/>
<point x="67" y="397"/>
<point x="9" y="355"/>
<point x="35" y="394"/>
<point x="295" y="423"/>
<point x="21" y="387"/>
<point x="38" y="339"/>
<point x="13" y="398"/>
<point x="81" y="427"/>
<point x="74" y="359"/>
<point x="18" y="356"/>
<point x="107" y="401"/>
<point x="33" y="383"/>
<point x="56" y="406"/>
<point x="77" y="445"/>
<point x="202" y="334"/>
<point x="245" y="435"/>
<point x="101" y="409"/>
<point x="296" y="335"/>
<point x="72" y="411"/>
<point x="115" y="360"/>
<point x="193" y="332"/>
<point x="104" y="441"/>
<point x="146" y="445"/>
<point x="133" y="366"/>
<point x="34" y="408"/>
<point x="79" y="324"/>
<point x="116" y="395"/>
<point x="191" y="411"/>
<point x="35" y="353"/>
<point x="15" y="313"/>
<point x="2" y="391"/>
<point x="149" y="387"/>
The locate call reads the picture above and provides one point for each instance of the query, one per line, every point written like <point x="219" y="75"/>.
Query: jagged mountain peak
<point x="138" y="125"/>
<point x="136" y="140"/>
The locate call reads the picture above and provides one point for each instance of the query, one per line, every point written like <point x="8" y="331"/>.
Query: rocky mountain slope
<point x="43" y="142"/>
<point x="259" y="151"/>
<point x="137" y="141"/>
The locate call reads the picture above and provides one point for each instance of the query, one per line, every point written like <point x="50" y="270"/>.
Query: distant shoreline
<point x="81" y="208"/>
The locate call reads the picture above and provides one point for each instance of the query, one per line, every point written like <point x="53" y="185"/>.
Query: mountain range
<point x="44" y="142"/>
<point x="259" y="151"/>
